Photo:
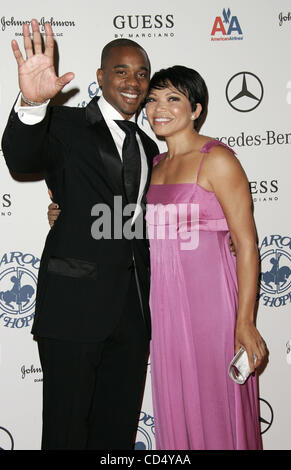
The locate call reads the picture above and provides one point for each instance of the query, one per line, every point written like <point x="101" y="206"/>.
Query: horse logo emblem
<point x="276" y="278"/>
<point x="18" y="281"/>
<point x="17" y="294"/>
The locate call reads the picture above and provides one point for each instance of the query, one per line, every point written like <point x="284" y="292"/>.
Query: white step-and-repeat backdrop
<point x="241" y="49"/>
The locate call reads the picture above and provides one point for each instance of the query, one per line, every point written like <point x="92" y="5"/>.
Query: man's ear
<point x="99" y="75"/>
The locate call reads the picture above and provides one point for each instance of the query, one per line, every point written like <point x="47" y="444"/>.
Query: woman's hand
<point x="232" y="247"/>
<point x="247" y="336"/>
<point x="53" y="211"/>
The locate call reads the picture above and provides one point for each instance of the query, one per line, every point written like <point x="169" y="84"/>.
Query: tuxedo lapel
<point x="108" y="151"/>
<point x="149" y="155"/>
<point x="106" y="146"/>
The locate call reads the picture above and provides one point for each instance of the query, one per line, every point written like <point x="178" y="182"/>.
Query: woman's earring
<point x="193" y="117"/>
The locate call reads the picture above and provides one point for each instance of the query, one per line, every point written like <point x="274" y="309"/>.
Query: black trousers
<point x="92" y="392"/>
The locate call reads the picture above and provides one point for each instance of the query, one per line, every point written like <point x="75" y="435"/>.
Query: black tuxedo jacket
<point x="82" y="282"/>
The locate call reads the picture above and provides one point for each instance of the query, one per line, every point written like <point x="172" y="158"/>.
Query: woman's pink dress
<point x="193" y="306"/>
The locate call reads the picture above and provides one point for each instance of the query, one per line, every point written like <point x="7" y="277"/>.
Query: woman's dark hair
<point x="187" y="81"/>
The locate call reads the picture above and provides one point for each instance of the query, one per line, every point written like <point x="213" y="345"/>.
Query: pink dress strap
<point x="158" y="158"/>
<point x="213" y="143"/>
<point x="206" y="149"/>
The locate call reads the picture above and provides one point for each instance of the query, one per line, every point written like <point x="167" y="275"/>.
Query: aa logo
<point x="226" y="27"/>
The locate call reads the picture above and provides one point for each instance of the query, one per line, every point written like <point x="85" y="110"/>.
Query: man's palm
<point x="38" y="81"/>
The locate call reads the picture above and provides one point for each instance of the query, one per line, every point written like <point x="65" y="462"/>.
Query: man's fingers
<point x="49" y="41"/>
<point x="27" y="41"/>
<point x="64" y="80"/>
<point x="17" y="53"/>
<point x="37" y="42"/>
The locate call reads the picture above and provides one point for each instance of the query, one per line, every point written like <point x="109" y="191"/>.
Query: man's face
<point x="124" y="79"/>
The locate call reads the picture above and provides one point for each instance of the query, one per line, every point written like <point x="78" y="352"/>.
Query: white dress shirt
<point x="31" y="115"/>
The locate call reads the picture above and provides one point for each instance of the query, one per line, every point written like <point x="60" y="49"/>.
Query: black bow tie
<point x="131" y="160"/>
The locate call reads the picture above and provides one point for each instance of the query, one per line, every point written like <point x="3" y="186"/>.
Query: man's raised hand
<point x="36" y="74"/>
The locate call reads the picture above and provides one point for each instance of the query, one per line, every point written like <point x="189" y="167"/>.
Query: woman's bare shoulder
<point x="221" y="158"/>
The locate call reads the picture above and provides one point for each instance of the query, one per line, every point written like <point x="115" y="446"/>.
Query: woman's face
<point x="169" y="111"/>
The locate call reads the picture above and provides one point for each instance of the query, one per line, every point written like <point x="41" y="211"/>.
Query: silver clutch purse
<point x="239" y="368"/>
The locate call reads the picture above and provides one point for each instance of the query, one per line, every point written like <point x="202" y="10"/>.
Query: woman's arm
<point x="231" y="187"/>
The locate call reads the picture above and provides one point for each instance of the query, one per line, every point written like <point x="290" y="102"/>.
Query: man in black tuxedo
<point x="92" y="319"/>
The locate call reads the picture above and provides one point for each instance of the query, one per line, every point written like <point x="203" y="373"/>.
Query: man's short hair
<point x="120" y="43"/>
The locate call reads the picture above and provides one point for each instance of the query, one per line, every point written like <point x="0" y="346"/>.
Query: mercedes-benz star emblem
<point x="244" y="92"/>
<point x="266" y="415"/>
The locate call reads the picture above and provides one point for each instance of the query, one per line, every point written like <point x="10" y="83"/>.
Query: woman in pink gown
<point x="202" y="297"/>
